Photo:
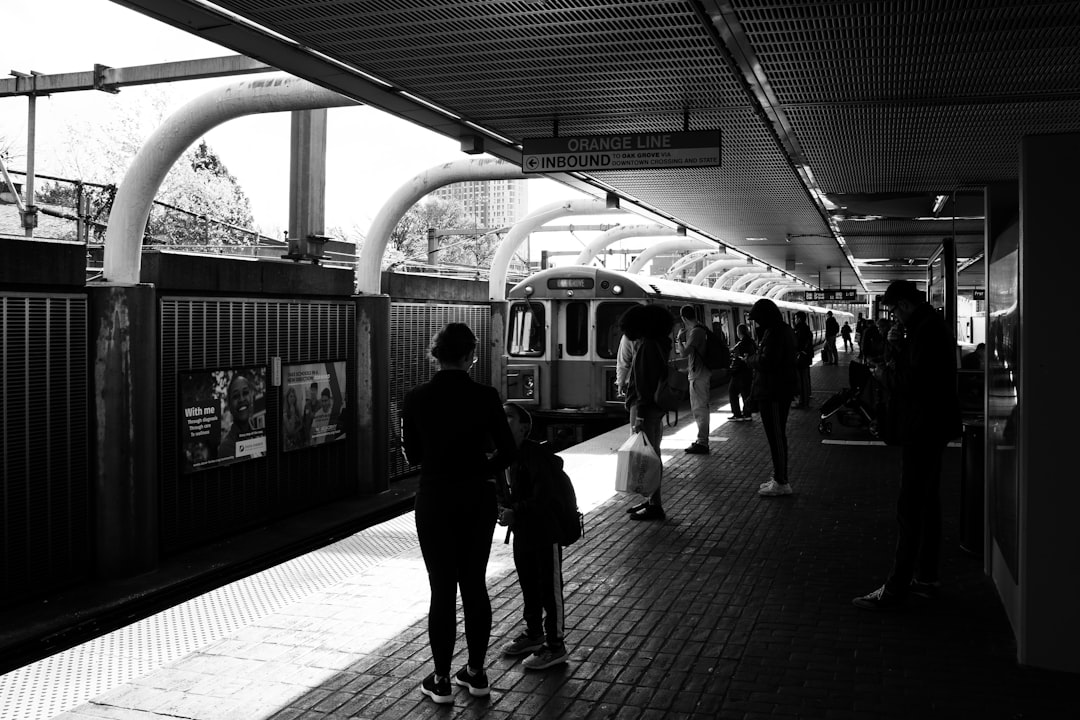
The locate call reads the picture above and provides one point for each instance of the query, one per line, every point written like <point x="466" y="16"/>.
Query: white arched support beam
<point x="692" y="258"/>
<point x="758" y="284"/>
<point x="726" y="264"/>
<point x="369" y="264"/>
<point x="617" y="233"/>
<point x="665" y="247"/>
<point x="521" y="229"/>
<point x="135" y="196"/>
<point x="781" y="290"/>
<point x="739" y="284"/>
<point x="735" y="274"/>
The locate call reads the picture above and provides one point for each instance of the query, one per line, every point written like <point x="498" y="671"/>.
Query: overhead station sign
<point x="830" y="295"/>
<point x="630" y="151"/>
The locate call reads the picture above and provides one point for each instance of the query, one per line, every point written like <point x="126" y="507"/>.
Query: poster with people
<point x="223" y="417"/>
<point x="313" y="404"/>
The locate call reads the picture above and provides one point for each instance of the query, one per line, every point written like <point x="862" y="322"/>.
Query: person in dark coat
<point x="774" y="387"/>
<point x="923" y="415"/>
<point x="804" y="358"/>
<point x="741" y="376"/>
<point x="525" y="506"/>
<point x="456" y="430"/>
<point x="829" y="353"/>
<point x="652" y="326"/>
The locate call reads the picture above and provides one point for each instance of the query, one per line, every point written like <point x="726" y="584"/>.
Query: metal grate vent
<point x="45" y="540"/>
<point x="212" y="333"/>
<point x="412" y="328"/>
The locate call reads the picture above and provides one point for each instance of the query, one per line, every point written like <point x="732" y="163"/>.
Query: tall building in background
<point x="494" y="203"/>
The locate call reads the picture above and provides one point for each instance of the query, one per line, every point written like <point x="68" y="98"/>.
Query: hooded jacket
<point x="775" y="375"/>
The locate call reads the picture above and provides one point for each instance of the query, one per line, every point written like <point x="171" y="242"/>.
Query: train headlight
<point x="529" y="290"/>
<point x="616" y="289"/>
<point x="521" y="382"/>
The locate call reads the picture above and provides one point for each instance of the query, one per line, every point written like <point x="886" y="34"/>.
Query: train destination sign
<point x="630" y="151"/>
<point x="827" y="295"/>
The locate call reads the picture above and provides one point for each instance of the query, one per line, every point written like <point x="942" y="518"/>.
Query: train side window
<point x="608" y="333"/>
<point x="576" y="316"/>
<point x="526" y="336"/>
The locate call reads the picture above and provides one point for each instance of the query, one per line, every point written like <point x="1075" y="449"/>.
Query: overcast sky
<point x="370" y="153"/>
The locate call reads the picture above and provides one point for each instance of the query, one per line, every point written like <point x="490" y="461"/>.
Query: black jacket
<point x="832" y="328"/>
<point x="649" y="366"/>
<point x="450" y="426"/>
<point x="532" y="477"/>
<point x="804" y="344"/>
<point x="774" y="364"/>
<point x="922" y="403"/>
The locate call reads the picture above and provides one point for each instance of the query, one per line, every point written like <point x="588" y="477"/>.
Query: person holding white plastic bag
<point x="651" y="324"/>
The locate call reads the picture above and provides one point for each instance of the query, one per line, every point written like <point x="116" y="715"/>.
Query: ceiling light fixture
<point x="939" y="203"/>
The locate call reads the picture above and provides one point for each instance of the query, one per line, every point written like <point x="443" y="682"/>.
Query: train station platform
<point x="735" y="606"/>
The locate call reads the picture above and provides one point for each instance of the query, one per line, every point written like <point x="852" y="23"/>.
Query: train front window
<point x="608" y="333"/>
<point x="526" y="336"/>
<point x="576" y="315"/>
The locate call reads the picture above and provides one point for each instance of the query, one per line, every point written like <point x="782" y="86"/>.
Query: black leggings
<point x="455" y="531"/>
<point x="774" y="415"/>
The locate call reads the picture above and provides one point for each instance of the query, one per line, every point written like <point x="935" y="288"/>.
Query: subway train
<point x="562" y="339"/>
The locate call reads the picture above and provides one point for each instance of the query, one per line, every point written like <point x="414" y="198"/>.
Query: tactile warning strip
<point x="63" y="681"/>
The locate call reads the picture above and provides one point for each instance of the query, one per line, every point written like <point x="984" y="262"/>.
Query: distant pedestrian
<point x="860" y="327"/>
<point x="456" y="431"/>
<point x="652" y="326"/>
<point x="845" y="332"/>
<point x="691" y="345"/>
<point x="804" y="358"/>
<point x="740" y="375"/>
<point x="525" y="504"/>
<point x="829" y="354"/>
<point x="773" y="388"/>
<point x="923" y="416"/>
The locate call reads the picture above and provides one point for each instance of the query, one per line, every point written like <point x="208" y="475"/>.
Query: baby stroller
<point x="855" y="406"/>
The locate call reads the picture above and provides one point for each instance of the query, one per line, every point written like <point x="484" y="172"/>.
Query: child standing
<point x="525" y="507"/>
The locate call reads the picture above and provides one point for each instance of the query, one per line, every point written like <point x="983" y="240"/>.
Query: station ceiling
<point x="841" y="122"/>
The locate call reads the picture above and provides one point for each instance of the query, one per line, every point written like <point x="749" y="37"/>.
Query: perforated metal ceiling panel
<point x="813" y="99"/>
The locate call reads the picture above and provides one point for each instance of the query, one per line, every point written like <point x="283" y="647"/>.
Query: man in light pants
<point x="691" y="345"/>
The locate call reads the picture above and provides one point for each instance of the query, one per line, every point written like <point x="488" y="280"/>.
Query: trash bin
<point x="972" y="475"/>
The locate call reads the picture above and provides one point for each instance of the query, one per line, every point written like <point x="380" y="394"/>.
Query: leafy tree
<point x="101" y="152"/>
<point x="408" y="241"/>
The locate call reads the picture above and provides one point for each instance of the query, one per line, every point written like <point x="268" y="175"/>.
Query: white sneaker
<point x="768" y="482"/>
<point x="773" y="488"/>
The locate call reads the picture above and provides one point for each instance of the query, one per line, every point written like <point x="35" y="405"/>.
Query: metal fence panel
<point x="45" y="531"/>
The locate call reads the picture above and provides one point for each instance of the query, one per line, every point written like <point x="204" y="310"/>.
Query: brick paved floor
<point x="736" y="606"/>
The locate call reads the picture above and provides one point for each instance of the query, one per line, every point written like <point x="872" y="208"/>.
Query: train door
<point x="608" y="338"/>
<point x="720" y="322"/>
<point x="572" y="362"/>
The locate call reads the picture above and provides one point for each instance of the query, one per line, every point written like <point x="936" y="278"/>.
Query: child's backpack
<point x="717" y="355"/>
<point x="569" y="522"/>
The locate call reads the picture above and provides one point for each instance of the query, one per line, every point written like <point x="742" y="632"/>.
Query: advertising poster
<point x="223" y="417"/>
<point x="313" y="404"/>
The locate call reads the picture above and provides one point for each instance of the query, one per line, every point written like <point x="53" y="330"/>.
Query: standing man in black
<point x="804" y="357"/>
<point x="923" y="415"/>
<point x="829" y="354"/>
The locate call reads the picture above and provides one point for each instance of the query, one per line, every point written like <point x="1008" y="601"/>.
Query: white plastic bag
<point x="639" y="467"/>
